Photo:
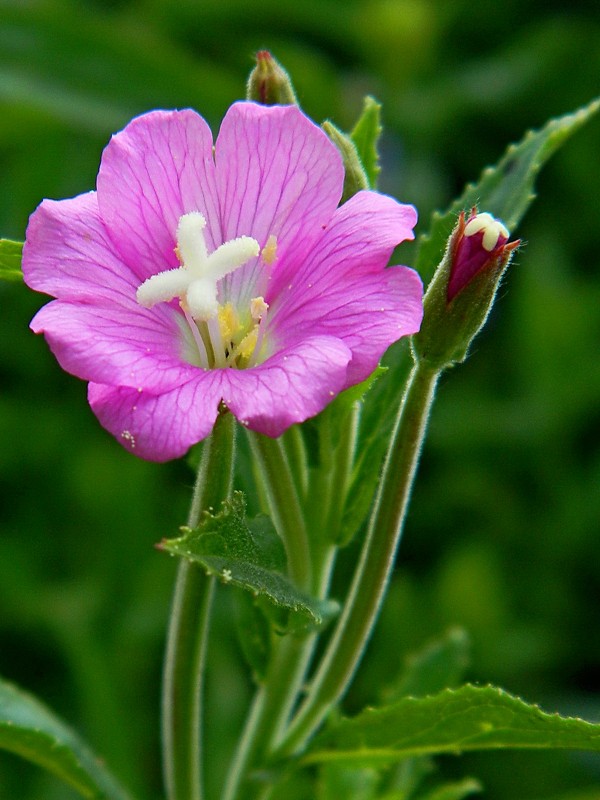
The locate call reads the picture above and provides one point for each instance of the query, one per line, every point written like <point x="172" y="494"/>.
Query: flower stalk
<point x="360" y="612"/>
<point x="182" y="700"/>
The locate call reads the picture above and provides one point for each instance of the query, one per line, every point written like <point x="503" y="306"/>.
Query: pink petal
<point x="140" y="348"/>
<point x="343" y="288"/>
<point x="371" y="314"/>
<point x="359" y="239"/>
<point x="292" y="386"/>
<point x="154" y="171"/>
<point x="68" y="254"/>
<point x="161" y="427"/>
<point x="277" y="174"/>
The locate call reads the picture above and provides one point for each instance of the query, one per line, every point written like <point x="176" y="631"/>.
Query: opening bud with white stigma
<point x="195" y="281"/>
<point x="462" y="291"/>
<point x="492" y="228"/>
<point x="475" y="245"/>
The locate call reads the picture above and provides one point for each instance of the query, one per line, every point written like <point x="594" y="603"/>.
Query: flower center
<point x="223" y="335"/>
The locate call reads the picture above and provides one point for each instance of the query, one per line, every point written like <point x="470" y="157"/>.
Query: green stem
<point x="295" y="448"/>
<point x="291" y="654"/>
<point x="340" y="475"/>
<point x="360" y="611"/>
<point x="188" y="629"/>
<point x="284" y="505"/>
<point x="274" y="700"/>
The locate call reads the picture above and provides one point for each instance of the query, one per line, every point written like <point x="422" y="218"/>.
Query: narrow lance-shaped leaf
<point x="365" y="136"/>
<point x="453" y="721"/>
<point x="10" y="260"/>
<point x="244" y="553"/>
<point x="30" y="730"/>
<point x="506" y="190"/>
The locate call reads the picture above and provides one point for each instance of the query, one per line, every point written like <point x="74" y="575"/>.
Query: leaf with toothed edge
<point x="249" y="554"/>
<point x="453" y="721"/>
<point x="505" y="190"/>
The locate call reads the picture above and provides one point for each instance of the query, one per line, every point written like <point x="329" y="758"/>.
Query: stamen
<point x="269" y="251"/>
<point x="217" y="342"/>
<point x="202" y="354"/>
<point x="258" y="308"/>
<point x="229" y="322"/>
<point x="257" y="304"/>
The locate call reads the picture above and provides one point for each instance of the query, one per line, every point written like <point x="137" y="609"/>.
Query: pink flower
<point x="194" y="276"/>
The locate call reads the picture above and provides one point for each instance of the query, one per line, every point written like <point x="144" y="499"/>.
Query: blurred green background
<point x="503" y="534"/>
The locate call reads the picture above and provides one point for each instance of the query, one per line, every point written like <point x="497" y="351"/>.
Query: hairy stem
<point x="182" y="699"/>
<point x="354" y="627"/>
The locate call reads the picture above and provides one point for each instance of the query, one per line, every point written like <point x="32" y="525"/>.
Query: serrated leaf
<point x="453" y="721"/>
<point x="245" y="553"/>
<point x="365" y="136"/>
<point x="507" y="189"/>
<point x="29" y="729"/>
<point x="10" y="260"/>
<point x="439" y="665"/>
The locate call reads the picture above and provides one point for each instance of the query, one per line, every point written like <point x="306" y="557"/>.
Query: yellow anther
<point x="228" y="322"/>
<point x="258" y="308"/>
<point x="269" y="251"/>
<point x="248" y="343"/>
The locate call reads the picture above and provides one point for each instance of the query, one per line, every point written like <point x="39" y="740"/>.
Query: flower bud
<point x="482" y="240"/>
<point x="269" y="84"/>
<point x="462" y="291"/>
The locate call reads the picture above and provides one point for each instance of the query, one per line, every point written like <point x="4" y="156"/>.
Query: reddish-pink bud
<point x="479" y="242"/>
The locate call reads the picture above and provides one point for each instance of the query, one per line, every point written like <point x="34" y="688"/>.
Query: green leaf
<point x="32" y="731"/>
<point x="507" y="189"/>
<point x="341" y="780"/>
<point x="365" y="136"/>
<point x="10" y="260"/>
<point x="355" y="177"/>
<point x="253" y="633"/>
<point x="441" y="664"/>
<point x="453" y="721"/>
<point x="453" y="791"/>
<point x="245" y="553"/>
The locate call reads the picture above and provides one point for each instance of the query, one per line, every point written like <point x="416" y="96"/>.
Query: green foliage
<point x="10" y="260"/>
<point x="506" y="190"/>
<point x="453" y="721"/>
<point x="244" y="553"/>
<point x="365" y="135"/>
<point x="502" y="534"/>
<point x="355" y="177"/>
<point x="337" y="781"/>
<point x="453" y="791"/>
<point x="32" y="731"/>
<point x="439" y="665"/>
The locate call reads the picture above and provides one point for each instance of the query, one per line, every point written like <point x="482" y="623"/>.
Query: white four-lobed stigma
<point x="492" y="229"/>
<point x="195" y="281"/>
